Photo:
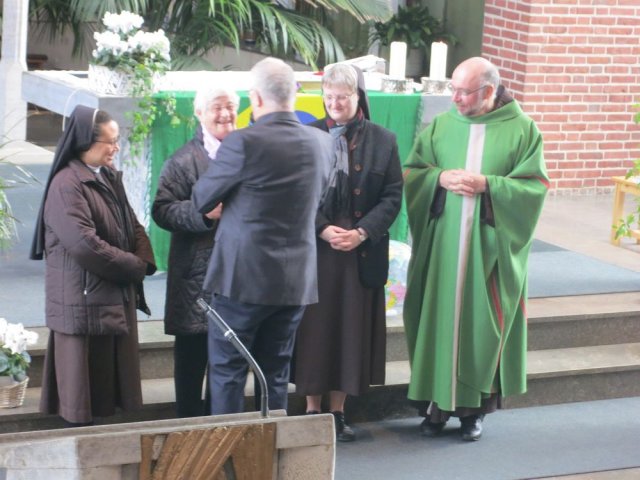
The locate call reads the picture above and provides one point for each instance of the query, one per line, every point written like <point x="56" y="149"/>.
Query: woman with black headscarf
<point x="97" y="255"/>
<point x="341" y="342"/>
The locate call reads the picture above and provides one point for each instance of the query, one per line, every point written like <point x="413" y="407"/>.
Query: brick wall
<point x="574" y="65"/>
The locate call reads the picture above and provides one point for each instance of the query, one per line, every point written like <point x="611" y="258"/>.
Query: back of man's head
<point x="274" y="81"/>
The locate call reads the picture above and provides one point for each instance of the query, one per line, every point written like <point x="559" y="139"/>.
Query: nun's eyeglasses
<point x="336" y="98"/>
<point x="113" y="143"/>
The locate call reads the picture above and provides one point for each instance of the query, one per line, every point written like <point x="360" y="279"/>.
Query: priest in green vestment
<point x="475" y="183"/>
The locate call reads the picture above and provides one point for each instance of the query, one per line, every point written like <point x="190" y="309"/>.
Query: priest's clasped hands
<point x="463" y="182"/>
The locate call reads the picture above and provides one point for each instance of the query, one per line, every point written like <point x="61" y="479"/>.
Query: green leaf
<point x="4" y="362"/>
<point x="196" y="27"/>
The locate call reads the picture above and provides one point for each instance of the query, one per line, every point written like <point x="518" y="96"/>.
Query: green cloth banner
<point x="400" y="113"/>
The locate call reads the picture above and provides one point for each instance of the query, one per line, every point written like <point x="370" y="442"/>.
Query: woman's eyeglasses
<point x="336" y="98"/>
<point x="113" y="143"/>
<point x="217" y="109"/>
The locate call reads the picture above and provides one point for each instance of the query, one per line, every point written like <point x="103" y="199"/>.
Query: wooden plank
<point x="249" y="450"/>
<point x="254" y="457"/>
<point x="181" y="456"/>
<point x="210" y="457"/>
<point x="146" y="457"/>
<point x="623" y="186"/>
<point x="232" y="436"/>
<point x="199" y="450"/>
<point x="169" y="449"/>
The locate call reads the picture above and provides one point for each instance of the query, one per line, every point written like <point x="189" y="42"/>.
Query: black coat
<point x="375" y="179"/>
<point x="191" y="237"/>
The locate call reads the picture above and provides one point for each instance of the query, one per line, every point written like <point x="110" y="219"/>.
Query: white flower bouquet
<point x="130" y="62"/>
<point x="123" y="46"/>
<point x="14" y="359"/>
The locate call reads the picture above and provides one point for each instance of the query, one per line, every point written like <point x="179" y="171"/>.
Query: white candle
<point x="438" y="62"/>
<point x="398" y="60"/>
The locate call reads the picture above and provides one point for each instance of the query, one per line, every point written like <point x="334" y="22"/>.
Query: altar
<point x="61" y="91"/>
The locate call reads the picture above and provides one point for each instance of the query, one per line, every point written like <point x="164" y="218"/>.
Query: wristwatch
<point x="362" y="234"/>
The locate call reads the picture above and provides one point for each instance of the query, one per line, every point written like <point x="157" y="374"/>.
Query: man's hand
<point x="216" y="213"/>
<point x="463" y="182"/>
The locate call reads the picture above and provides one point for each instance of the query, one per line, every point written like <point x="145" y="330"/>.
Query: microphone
<point x="231" y="336"/>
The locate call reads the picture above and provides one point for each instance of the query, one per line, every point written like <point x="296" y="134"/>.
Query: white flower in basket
<point x="14" y="359"/>
<point x="127" y="60"/>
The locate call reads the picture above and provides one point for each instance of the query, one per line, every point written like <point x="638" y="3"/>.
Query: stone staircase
<point x="580" y="348"/>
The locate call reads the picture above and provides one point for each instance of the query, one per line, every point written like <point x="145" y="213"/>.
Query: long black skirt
<point x="341" y="341"/>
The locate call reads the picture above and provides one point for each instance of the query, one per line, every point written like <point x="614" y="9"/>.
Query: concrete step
<point x="582" y="321"/>
<point x="557" y="322"/>
<point x="560" y="322"/>
<point x="554" y="376"/>
<point x="581" y="374"/>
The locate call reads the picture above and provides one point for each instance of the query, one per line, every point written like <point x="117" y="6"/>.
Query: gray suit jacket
<point x="270" y="178"/>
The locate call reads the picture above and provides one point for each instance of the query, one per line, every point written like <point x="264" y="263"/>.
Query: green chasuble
<point x="465" y="307"/>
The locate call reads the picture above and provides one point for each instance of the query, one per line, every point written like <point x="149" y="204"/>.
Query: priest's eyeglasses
<point x="113" y="142"/>
<point x="465" y="92"/>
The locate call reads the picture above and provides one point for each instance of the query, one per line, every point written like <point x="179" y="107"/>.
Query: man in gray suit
<point x="269" y="178"/>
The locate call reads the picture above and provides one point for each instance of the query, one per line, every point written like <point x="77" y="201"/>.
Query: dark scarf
<point x="77" y="137"/>
<point x="336" y="202"/>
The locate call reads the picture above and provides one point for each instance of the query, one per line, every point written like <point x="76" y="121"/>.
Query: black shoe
<point x="68" y="424"/>
<point x="471" y="427"/>
<point x="343" y="431"/>
<point x="429" y="429"/>
<point x="311" y="412"/>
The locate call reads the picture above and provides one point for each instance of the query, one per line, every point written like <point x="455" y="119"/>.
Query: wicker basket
<point x="12" y="396"/>
<point x="104" y="80"/>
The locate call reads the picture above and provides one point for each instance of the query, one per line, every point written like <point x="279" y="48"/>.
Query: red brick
<point x="553" y="155"/>
<point x="627" y="21"/>
<point x="568" y="107"/>
<point x="608" y="164"/>
<point x="621" y="31"/>
<point x="591" y="155"/>
<point x="569" y="183"/>
<point x="568" y="165"/>
<point x="603" y="20"/>
<point x="592" y="136"/>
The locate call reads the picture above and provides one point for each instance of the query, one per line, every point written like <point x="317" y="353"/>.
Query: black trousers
<point x="190" y="365"/>
<point x="268" y="332"/>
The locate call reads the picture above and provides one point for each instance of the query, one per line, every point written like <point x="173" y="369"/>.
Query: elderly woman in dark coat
<point x="341" y="342"/>
<point x="191" y="243"/>
<point x="97" y="255"/>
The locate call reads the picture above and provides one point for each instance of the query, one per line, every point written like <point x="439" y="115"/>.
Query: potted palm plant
<point x="11" y="175"/>
<point x="196" y="27"/>
<point x="418" y="28"/>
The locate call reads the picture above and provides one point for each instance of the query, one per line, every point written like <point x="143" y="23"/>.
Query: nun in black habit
<point x="341" y="342"/>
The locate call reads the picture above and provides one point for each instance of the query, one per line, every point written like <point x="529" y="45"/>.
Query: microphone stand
<point x="231" y="336"/>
